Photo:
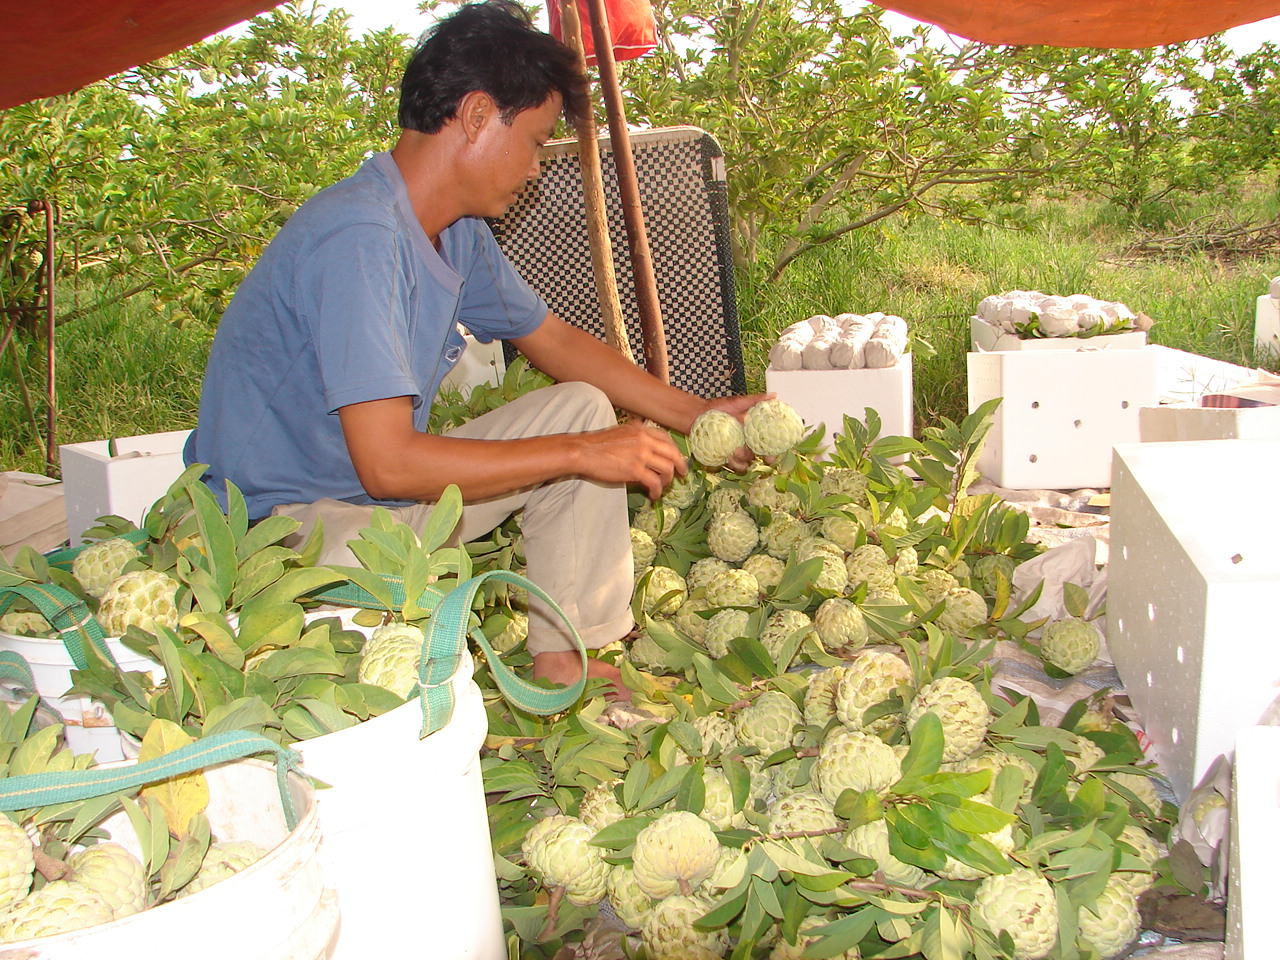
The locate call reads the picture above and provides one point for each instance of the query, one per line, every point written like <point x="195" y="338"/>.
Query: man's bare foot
<point x="565" y="667"/>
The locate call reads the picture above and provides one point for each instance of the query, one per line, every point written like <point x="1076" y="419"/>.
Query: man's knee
<point x="589" y="405"/>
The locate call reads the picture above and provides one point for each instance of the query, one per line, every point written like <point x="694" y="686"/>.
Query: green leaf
<point x="298" y="662"/>
<point x="622" y="833"/>
<point x="268" y="531"/>
<point x="633" y="785"/>
<point x="305" y="581"/>
<point x="245" y="713"/>
<point x="925" y="754"/>
<point x="693" y="789"/>
<point x="443" y="519"/>
<point x="217" y="635"/>
<point x="264" y="625"/>
<point x="219" y="544"/>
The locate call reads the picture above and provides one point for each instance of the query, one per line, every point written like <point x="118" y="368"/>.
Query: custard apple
<point x="732" y="536"/>
<point x="820" y="695"/>
<point x="630" y="904"/>
<point x="872" y="841"/>
<point x="841" y="626"/>
<point x="223" y="860"/>
<point x="935" y="583"/>
<point x="844" y="482"/>
<point x="702" y="571"/>
<point x="852" y="760"/>
<point x="1070" y="644"/>
<point x="58" y="907"/>
<point x="664" y="592"/>
<point x="26" y="623"/>
<point x="763" y="493"/>
<point x="734" y="587"/>
<point x="871" y="678"/>
<point x="99" y="564"/>
<point x="689" y="619"/>
<point x="1142" y="787"/>
<point x="723" y="628"/>
<point x="506" y="630"/>
<point x="669" y="932"/>
<point x="714" y="438"/>
<point x="17" y="863"/>
<point x="772" y="427"/>
<point x="646" y="652"/>
<point x="780" y="627"/>
<point x="990" y="568"/>
<point x="907" y="562"/>
<point x="718" y="807"/>
<point x="869" y="566"/>
<point x="114" y="874"/>
<point x="1138" y="856"/>
<point x="650" y="517"/>
<point x="683" y="492"/>
<point x="782" y="533"/>
<point x="599" y="806"/>
<point x="717" y="734"/>
<point x="562" y="855"/>
<point x="726" y="498"/>
<point x="769" y="723"/>
<point x="803" y="811"/>
<point x="643" y="550"/>
<point x="391" y="656"/>
<point x="842" y="531"/>
<point x="767" y="570"/>
<point x="141" y="598"/>
<point x="1112" y="922"/>
<point x="1021" y="903"/>
<point x="964" y="714"/>
<point x="674" y="854"/>
<point x="964" y="610"/>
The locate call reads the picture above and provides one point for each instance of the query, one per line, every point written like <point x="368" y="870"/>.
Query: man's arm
<point x="395" y="461"/>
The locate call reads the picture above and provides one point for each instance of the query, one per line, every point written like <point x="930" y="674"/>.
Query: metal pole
<point x="615" y="328"/>
<point x="655" y="341"/>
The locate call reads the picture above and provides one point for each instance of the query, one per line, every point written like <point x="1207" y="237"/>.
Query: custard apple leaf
<point x="1007" y="788"/>
<point x="1054" y="775"/>
<point x="299" y="662"/>
<point x="752" y="653"/>
<point x="1091" y="798"/>
<point x="887" y="619"/>
<point x="739" y="778"/>
<point x="1075" y="599"/>
<point x="729" y="906"/>
<point x="713" y="682"/>
<point x="217" y="635"/>
<point x="663" y="789"/>
<point x="152" y="832"/>
<point x="620" y="835"/>
<point x="910" y="844"/>
<point x="846" y="932"/>
<point x="974" y="817"/>
<point x="942" y="936"/>
<point x="243" y="713"/>
<point x="798" y="579"/>
<point x="1068" y="923"/>
<point x="767" y="897"/>
<point x="184" y="862"/>
<point x="859" y="807"/>
<point x="219" y="556"/>
<point x="686" y="736"/>
<point x="924" y="757"/>
<point x="1080" y="862"/>
<point x="633" y="785"/>
<point x="1014" y="718"/>
<point x="692" y="794"/>
<point x="34" y="753"/>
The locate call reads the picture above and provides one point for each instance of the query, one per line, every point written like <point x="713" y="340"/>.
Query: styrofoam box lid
<point x="1216" y="496"/>
<point x="151" y="444"/>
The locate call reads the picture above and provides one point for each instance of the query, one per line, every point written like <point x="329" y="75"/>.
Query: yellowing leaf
<point x="181" y="797"/>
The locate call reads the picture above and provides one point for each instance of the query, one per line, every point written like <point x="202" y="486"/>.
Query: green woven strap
<point x="76" y="626"/>
<point x="62" y="559"/>
<point x="15" y="669"/>
<point x="446" y="641"/>
<point x="69" y="786"/>
<point x="353" y="595"/>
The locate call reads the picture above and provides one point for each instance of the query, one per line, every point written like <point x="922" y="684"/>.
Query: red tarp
<point x="1086" y="23"/>
<point x="49" y="47"/>
<point x="52" y="46"/>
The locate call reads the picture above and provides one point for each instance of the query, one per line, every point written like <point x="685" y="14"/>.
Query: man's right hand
<point x="630" y="453"/>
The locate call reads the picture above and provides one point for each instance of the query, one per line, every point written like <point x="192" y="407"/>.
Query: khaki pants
<point x="576" y="538"/>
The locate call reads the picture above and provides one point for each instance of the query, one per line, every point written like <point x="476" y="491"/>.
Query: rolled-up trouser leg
<point x="576" y="538"/>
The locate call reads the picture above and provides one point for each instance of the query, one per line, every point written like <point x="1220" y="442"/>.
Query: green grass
<point x="128" y="370"/>
<point x="122" y="371"/>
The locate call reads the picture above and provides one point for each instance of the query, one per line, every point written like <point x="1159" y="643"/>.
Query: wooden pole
<point x="615" y="328"/>
<point x="655" y="340"/>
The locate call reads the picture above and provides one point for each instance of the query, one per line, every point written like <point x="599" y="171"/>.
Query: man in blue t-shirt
<point x="327" y="360"/>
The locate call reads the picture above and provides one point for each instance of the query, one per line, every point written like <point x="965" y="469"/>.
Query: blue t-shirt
<point x="350" y="302"/>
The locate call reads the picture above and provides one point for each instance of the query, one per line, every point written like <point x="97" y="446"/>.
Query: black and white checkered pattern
<point x="682" y="189"/>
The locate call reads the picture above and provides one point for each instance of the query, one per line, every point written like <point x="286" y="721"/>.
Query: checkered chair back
<point x="686" y="212"/>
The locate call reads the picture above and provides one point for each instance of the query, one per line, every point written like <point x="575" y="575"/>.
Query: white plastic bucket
<point x="280" y="908"/>
<point x="88" y="726"/>
<point x="406" y="833"/>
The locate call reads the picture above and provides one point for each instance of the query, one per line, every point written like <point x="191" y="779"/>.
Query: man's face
<point x="507" y="155"/>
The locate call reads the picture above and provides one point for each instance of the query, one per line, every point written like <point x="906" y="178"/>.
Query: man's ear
<point x="475" y="110"/>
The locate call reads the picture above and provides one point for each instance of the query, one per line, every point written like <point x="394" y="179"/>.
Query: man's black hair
<point x="494" y="48"/>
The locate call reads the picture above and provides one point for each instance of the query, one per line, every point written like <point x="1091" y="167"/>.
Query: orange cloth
<point x="631" y="27"/>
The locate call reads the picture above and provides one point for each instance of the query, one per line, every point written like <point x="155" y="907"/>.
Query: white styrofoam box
<point x="1266" y="324"/>
<point x="1061" y="415"/>
<point x="96" y="484"/>
<point x="1253" y="925"/>
<point x="1192" y="581"/>
<point x="825" y="396"/>
<point x="1186" y="377"/>
<point x="479" y="363"/>
<point x="1186" y="422"/>
<point x="987" y="337"/>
